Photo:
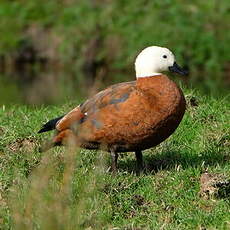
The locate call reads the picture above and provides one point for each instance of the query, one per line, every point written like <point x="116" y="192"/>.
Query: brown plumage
<point x="130" y="116"/>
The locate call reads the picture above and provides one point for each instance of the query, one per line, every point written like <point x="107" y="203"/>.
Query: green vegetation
<point x="113" y="32"/>
<point x="69" y="189"/>
<point x="54" y="51"/>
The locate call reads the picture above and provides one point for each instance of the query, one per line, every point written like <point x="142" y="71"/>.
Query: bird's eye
<point x="164" y="56"/>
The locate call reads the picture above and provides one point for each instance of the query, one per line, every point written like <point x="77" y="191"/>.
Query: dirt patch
<point x="214" y="186"/>
<point x="191" y="101"/>
<point x="139" y="205"/>
<point x="138" y="200"/>
<point x="26" y="144"/>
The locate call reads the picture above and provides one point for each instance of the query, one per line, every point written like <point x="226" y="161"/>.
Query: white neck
<point x="147" y="74"/>
<point x="147" y="68"/>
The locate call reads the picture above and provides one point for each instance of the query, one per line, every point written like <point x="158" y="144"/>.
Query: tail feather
<point x="50" y="125"/>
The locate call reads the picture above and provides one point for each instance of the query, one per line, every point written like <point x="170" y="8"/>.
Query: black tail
<point x="50" y="125"/>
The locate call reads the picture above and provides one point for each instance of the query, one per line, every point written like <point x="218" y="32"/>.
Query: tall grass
<point x="59" y="194"/>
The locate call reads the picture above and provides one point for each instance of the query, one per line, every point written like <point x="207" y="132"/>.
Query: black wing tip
<point x="43" y="129"/>
<point x="50" y="125"/>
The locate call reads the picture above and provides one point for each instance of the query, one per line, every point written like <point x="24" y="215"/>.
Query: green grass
<point x="72" y="189"/>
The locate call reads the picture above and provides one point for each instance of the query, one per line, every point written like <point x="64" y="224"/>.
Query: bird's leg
<point x="114" y="157"/>
<point x="139" y="160"/>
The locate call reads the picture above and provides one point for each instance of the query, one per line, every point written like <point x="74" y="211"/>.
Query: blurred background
<point x="60" y="50"/>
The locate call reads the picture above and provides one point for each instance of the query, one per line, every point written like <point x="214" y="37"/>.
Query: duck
<point x="129" y="116"/>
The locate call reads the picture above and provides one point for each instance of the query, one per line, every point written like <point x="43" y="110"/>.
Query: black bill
<point x="177" y="69"/>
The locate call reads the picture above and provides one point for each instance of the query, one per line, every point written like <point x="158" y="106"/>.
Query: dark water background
<point x="44" y="85"/>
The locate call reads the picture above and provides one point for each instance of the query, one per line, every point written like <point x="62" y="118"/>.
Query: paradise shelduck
<point x="129" y="116"/>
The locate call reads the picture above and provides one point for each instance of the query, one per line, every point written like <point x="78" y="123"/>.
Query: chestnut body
<point x="125" y="117"/>
<point x="130" y="116"/>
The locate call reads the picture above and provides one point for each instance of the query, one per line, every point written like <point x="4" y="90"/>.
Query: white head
<point x="153" y="60"/>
